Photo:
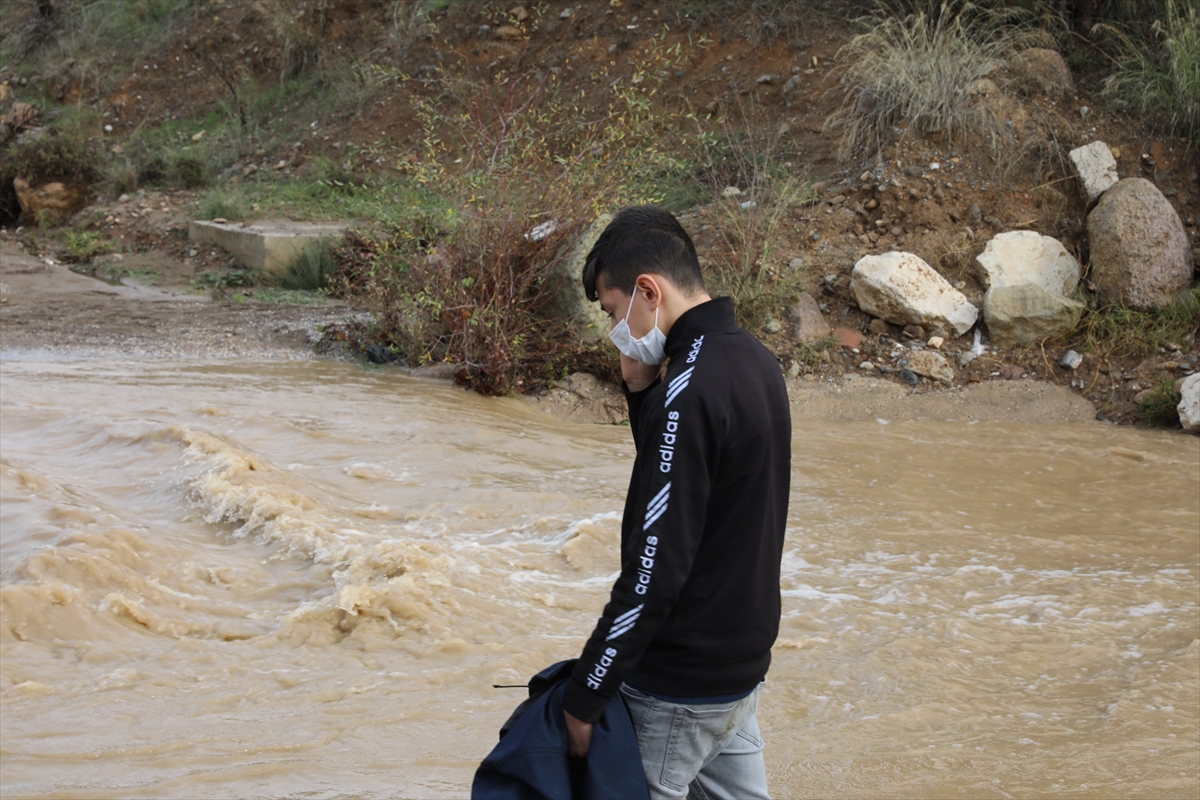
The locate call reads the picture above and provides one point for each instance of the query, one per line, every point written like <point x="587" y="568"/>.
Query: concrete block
<point x="268" y="245"/>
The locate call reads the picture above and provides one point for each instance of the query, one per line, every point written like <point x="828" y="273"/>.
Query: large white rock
<point x="903" y="289"/>
<point x="1027" y="314"/>
<point x="1189" y="404"/>
<point x="1019" y="257"/>
<point x="1096" y="167"/>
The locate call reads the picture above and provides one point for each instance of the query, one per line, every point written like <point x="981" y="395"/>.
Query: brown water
<point x="300" y="580"/>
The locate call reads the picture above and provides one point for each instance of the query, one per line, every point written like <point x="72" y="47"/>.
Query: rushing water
<point x="301" y="580"/>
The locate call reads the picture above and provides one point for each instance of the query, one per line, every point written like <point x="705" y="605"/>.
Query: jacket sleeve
<point x="672" y="488"/>
<point x="635" y="401"/>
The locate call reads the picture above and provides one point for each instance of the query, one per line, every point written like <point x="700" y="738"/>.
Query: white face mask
<point x="650" y="349"/>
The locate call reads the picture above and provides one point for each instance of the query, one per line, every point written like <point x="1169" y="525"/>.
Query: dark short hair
<point x="642" y="239"/>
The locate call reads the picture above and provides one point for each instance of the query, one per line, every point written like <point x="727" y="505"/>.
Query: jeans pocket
<point x="696" y="735"/>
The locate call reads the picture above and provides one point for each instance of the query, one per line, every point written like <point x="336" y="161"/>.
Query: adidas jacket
<point x="695" y="609"/>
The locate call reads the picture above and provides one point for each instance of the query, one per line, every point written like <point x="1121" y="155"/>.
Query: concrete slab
<point x="267" y="245"/>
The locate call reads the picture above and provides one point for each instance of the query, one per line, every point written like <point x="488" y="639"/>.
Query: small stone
<point x="809" y="324"/>
<point x="567" y="13"/>
<point x="879" y="327"/>
<point x="848" y="338"/>
<point x="936" y="342"/>
<point x="871" y="204"/>
<point x="768" y="79"/>
<point x="1071" y="360"/>
<point x="931" y="365"/>
<point x="909" y="377"/>
<point x="773" y="325"/>
<point x="831" y="279"/>
<point x="1011" y="372"/>
<point x="914" y="332"/>
<point x="792" y="371"/>
<point x="866" y="366"/>
<point x="865" y="177"/>
<point x="838" y="200"/>
<point x="796" y="264"/>
<point x="730" y="191"/>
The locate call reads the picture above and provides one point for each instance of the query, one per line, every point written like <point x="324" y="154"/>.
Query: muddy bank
<point x="48" y="308"/>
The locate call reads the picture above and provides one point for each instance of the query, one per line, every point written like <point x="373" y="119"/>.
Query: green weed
<point x="83" y="246"/>
<point x="1160" y="406"/>
<point x="228" y="279"/>
<point x="284" y="296"/>
<point x="223" y="204"/>
<point x="311" y="271"/>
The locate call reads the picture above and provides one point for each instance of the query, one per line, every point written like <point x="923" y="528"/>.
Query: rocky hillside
<point x="1040" y="231"/>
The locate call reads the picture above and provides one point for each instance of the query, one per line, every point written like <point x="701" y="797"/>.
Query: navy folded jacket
<point x="531" y="761"/>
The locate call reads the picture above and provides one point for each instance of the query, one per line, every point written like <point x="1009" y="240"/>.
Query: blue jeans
<point x="704" y="752"/>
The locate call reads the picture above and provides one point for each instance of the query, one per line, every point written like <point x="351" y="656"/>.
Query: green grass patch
<point x="1159" y="407"/>
<point x="311" y="271"/>
<point x="226" y="279"/>
<point x="1118" y="332"/>
<point x="272" y="294"/>
<point x="228" y="204"/>
<point x="83" y="246"/>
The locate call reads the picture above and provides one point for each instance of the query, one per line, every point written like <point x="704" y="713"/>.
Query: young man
<point x="686" y="635"/>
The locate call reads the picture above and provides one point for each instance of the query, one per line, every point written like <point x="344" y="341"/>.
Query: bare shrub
<point x="747" y="157"/>
<point x="300" y="28"/>
<point x="522" y="171"/>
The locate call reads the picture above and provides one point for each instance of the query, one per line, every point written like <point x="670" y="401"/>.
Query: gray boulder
<point x="1140" y="251"/>
<point x="902" y="289"/>
<point x="1189" y="404"/>
<point x="570" y="302"/>
<point x="1045" y="70"/>
<point x="1027" y="314"/>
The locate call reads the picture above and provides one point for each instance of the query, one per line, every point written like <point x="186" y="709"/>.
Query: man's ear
<point x="651" y="288"/>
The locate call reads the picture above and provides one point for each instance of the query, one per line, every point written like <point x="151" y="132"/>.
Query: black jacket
<point x="531" y="761"/>
<point x="696" y="607"/>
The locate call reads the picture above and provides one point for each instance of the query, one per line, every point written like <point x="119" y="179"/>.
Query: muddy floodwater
<point x="300" y="579"/>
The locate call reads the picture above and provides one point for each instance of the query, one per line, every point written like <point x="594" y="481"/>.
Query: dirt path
<point x="47" y="307"/>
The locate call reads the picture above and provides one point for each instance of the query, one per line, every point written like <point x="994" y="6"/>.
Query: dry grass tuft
<point x="921" y="67"/>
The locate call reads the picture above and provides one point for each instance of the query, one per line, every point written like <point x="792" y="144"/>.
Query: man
<point x="686" y="635"/>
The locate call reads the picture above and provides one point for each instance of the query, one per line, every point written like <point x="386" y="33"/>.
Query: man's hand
<point x="636" y="374"/>
<point x="579" y="735"/>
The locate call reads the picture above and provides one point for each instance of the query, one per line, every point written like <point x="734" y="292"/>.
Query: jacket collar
<point x="710" y="317"/>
